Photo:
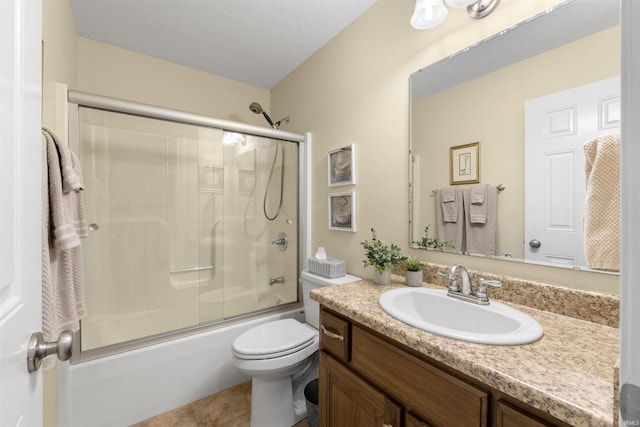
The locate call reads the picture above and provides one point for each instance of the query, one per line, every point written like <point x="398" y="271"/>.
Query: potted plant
<point x="414" y="271"/>
<point x="381" y="257"/>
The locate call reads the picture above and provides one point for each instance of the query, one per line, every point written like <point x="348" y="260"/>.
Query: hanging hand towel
<point x="482" y="239"/>
<point x="63" y="224"/>
<point x="449" y="205"/>
<point x="477" y="206"/>
<point x="453" y="230"/>
<point x="601" y="221"/>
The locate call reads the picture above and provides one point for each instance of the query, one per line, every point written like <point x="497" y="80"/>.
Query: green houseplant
<point x="414" y="271"/>
<point x="381" y="257"/>
<point x="427" y="242"/>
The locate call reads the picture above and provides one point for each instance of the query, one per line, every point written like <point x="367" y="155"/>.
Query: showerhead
<point x="255" y="108"/>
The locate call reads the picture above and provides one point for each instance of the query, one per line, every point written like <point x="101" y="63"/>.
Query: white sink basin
<point x="433" y="311"/>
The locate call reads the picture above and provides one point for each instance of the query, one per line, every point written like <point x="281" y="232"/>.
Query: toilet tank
<point x="311" y="281"/>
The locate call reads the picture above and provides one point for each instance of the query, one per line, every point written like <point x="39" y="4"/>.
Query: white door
<point x="556" y="128"/>
<point x="20" y="202"/>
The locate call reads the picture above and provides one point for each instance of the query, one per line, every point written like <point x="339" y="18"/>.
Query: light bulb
<point x="428" y="13"/>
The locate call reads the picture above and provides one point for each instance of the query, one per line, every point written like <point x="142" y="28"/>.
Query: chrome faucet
<point x="479" y="297"/>
<point x="453" y="281"/>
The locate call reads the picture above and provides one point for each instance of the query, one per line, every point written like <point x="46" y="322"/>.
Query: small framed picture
<point x="342" y="211"/>
<point x="342" y="166"/>
<point x="211" y="178"/>
<point x="246" y="182"/>
<point x="464" y="164"/>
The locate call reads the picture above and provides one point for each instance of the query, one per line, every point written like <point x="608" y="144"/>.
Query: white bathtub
<point x="129" y="387"/>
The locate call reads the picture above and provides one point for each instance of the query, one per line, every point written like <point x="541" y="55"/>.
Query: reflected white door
<point x="20" y="206"/>
<point x="556" y="128"/>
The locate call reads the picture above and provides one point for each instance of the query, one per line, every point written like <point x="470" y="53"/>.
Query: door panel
<point x="556" y="128"/>
<point x="20" y="202"/>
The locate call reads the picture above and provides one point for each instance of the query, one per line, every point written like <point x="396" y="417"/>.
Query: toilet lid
<point x="273" y="339"/>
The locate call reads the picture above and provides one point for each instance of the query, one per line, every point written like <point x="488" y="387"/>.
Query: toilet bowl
<point x="281" y="357"/>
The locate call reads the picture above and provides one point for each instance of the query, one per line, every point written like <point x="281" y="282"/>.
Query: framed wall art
<point x="342" y="166"/>
<point x="342" y="211"/>
<point x="464" y="164"/>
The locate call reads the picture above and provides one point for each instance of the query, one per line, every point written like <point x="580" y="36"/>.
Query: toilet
<point x="281" y="357"/>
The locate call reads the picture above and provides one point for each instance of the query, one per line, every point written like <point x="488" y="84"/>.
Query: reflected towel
<point x="63" y="223"/>
<point x="601" y="221"/>
<point x="449" y="205"/>
<point x="482" y="239"/>
<point x="477" y="206"/>
<point x="450" y="231"/>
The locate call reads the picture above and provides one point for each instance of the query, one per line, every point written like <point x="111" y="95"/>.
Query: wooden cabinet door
<point x="509" y="416"/>
<point x="346" y="400"/>
<point x="414" y="421"/>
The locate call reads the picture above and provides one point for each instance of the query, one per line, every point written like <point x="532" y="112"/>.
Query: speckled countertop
<point x="569" y="373"/>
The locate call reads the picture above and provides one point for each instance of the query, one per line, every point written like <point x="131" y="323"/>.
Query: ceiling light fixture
<point x="429" y="13"/>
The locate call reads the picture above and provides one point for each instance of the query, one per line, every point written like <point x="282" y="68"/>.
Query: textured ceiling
<point x="254" y="41"/>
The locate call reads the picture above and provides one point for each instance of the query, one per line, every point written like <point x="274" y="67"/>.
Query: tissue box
<point x="330" y="268"/>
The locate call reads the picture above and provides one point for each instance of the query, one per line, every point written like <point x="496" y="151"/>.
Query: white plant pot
<point x="383" y="278"/>
<point x="414" y="278"/>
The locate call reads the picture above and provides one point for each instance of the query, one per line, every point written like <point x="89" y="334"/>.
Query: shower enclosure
<point x="193" y="221"/>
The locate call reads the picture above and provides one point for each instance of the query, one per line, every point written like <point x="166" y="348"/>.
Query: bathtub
<point x="129" y="387"/>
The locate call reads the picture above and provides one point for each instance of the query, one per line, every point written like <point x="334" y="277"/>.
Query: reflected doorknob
<point x="535" y="243"/>
<point x="39" y="349"/>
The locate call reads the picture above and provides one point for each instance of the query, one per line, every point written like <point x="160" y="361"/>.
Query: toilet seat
<point x="273" y="339"/>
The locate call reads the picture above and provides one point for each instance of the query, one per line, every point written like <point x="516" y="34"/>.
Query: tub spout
<point x="275" y="280"/>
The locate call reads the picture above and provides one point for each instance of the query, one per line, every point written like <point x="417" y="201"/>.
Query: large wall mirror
<point x="532" y="98"/>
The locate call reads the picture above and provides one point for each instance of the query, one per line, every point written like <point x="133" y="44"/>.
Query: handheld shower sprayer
<point x="257" y="109"/>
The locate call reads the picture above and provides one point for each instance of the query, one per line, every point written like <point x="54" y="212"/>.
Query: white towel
<point x="477" y="206"/>
<point x="482" y="239"/>
<point x="63" y="224"/>
<point x="601" y="221"/>
<point x="449" y="205"/>
<point x="451" y="231"/>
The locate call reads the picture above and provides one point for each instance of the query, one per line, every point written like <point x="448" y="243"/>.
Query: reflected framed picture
<point x="246" y="182"/>
<point x="342" y="211"/>
<point x="211" y="178"/>
<point x="342" y="166"/>
<point x="464" y="164"/>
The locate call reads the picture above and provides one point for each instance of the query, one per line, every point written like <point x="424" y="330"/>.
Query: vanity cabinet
<point x="368" y="380"/>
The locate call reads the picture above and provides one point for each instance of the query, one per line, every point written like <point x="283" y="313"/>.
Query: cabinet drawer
<point x="335" y="336"/>
<point x="432" y="394"/>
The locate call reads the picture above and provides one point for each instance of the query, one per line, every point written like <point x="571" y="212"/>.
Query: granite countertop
<point x="569" y="373"/>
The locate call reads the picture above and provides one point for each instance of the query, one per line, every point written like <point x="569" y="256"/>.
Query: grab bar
<point x="189" y="269"/>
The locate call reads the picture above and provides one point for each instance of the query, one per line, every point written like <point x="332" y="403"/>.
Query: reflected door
<point x="556" y="128"/>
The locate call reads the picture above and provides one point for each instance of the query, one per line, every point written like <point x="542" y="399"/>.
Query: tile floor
<point x="227" y="408"/>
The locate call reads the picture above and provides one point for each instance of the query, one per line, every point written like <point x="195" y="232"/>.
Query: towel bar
<point x="499" y="188"/>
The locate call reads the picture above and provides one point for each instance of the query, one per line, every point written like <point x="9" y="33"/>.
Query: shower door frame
<point x="77" y="99"/>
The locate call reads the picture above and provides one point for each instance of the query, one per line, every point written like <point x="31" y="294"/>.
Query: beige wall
<point x="60" y="58"/>
<point x="108" y="70"/>
<point x="355" y="90"/>
<point x="492" y="113"/>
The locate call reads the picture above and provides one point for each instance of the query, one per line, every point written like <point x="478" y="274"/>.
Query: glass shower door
<point x="179" y="235"/>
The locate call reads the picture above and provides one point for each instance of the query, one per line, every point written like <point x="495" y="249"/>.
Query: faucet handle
<point x="453" y="283"/>
<point x="482" y="292"/>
